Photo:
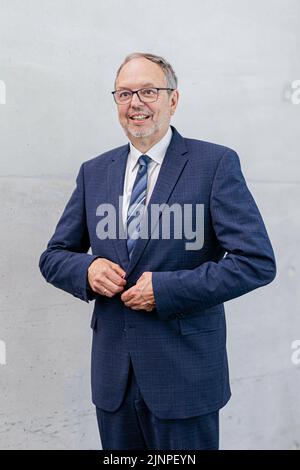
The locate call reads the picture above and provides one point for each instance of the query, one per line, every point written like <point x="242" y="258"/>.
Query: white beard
<point x="141" y="132"/>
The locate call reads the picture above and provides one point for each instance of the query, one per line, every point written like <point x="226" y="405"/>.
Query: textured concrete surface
<point x="236" y="62"/>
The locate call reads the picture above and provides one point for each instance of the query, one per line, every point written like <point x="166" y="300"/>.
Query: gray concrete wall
<point x="237" y="63"/>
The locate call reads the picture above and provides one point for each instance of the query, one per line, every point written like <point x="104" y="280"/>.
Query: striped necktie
<point x="137" y="203"/>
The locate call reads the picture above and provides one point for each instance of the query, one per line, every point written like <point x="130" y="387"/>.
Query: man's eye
<point x="124" y="94"/>
<point x="148" y="92"/>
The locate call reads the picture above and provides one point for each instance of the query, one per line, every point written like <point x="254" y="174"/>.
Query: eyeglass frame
<point x="137" y="92"/>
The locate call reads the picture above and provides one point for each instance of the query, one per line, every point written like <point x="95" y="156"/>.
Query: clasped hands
<point x="107" y="278"/>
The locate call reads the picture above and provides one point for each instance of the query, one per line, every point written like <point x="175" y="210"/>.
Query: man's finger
<point x="112" y="286"/>
<point x="102" y="290"/>
<point x="115" y="278"/>
<point x="128" y="294"/>
<point x="117" y="269"/>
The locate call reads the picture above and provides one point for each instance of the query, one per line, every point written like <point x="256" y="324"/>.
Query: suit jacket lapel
<point x="170" y="171"/>
<point x="115" y="186"/>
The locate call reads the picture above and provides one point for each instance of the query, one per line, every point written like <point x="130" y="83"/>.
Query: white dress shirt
<point x="157" y="154"/>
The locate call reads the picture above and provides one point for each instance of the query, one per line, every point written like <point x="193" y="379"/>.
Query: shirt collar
<point x="156" y="153"/>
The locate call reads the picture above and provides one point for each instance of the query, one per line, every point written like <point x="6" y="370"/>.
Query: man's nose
<point x="135" y="100"/>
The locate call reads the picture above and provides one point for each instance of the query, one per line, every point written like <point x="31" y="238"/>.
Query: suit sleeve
<point x="240" y="230"/>
<point x="65" y="262"/>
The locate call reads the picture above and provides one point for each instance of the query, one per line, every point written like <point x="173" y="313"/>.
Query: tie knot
<point x="144" y="160"/>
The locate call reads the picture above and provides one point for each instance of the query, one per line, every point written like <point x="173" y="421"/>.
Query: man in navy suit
<point x="159" y="362"/>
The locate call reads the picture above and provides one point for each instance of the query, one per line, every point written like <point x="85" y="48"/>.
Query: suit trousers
<point x="133" y="427"/>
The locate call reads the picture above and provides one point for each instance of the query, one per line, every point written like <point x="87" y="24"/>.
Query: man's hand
<point x="140" y="296"/>
<point x="106" y="277"/>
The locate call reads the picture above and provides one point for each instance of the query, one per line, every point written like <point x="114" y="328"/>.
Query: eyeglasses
<point x="146" y="95"/>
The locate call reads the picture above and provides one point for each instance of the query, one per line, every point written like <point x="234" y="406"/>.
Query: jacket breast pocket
<point x="201" y="323"/>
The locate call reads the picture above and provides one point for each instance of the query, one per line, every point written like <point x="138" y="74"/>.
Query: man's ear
<point x="174" y="101"/>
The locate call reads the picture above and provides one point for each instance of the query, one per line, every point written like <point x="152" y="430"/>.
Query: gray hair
<point x="163" y="64"/>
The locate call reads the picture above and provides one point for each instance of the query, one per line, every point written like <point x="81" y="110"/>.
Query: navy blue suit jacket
<point x="178" y="350"/>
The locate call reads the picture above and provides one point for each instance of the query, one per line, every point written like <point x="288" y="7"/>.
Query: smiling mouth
<point x="139" y="117"/>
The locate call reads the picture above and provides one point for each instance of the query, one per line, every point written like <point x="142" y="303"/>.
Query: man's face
<point x="139" y="73"/>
